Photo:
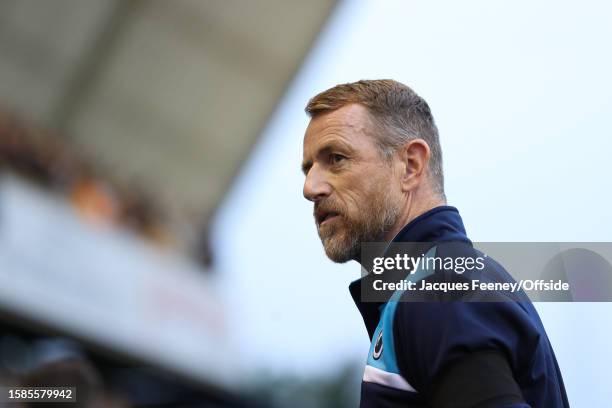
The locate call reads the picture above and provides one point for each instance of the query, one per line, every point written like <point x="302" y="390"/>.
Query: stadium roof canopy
<point x="168" y="94"/>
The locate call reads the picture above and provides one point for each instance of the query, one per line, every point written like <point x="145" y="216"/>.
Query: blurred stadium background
<point x="122" y="126"/>
<point x="154" y="245"/>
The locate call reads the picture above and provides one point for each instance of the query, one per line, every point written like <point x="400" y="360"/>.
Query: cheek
<point x="358" y="190"/>
<point x="356" y="199"/>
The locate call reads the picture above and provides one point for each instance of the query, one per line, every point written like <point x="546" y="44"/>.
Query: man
<point x="373" y="167"/>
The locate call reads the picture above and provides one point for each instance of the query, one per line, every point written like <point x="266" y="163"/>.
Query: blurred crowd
<point x="46" y="160"/>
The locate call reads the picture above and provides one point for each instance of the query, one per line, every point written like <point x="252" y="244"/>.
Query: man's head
<point x="372" y="160"/>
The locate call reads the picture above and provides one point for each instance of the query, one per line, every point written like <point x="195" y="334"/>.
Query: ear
<point x="414" y="156"/>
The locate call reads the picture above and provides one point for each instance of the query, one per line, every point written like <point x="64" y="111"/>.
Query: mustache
<point x="328" y="206"/>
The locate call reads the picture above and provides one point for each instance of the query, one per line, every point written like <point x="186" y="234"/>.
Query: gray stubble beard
<point x="346" y="247"/>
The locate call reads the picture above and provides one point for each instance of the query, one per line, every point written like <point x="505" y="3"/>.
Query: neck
<point x="416" y="205"/>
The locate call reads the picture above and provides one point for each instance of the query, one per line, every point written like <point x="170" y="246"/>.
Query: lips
<point x="323" y="216"/>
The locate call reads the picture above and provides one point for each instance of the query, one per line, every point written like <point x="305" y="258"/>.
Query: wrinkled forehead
<point x="350" y="124"/>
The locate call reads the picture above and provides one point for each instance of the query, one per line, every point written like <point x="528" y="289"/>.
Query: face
<point x="352" y="186"/>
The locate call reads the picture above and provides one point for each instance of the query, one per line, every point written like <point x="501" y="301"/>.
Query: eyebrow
<point x="327" y="148"/>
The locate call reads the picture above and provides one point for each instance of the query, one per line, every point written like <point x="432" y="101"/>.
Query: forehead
<point x="349" y="125"/>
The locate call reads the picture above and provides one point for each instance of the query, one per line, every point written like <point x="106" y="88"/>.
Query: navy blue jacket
<point x="415" y="346"/>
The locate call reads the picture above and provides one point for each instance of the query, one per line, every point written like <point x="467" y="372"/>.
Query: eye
<point x="336" y="158"/>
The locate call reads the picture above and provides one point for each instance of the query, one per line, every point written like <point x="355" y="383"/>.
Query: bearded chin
<point x="343" y="242"/>
<point x="341" y="246"/>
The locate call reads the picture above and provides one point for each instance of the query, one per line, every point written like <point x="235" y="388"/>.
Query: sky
<point x="521" y="94"/>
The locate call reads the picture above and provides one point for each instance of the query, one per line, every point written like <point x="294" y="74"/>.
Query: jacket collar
<point x="440" y="224"/>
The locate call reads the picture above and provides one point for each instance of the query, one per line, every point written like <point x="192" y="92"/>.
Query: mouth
<point x="325" y="217"/>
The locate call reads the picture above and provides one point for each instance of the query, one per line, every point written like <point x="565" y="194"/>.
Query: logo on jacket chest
<point x="378" y="346"/>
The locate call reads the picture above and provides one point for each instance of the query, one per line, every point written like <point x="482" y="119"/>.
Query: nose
<point x="316" y="187"/>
